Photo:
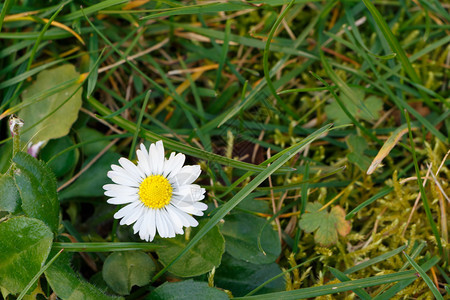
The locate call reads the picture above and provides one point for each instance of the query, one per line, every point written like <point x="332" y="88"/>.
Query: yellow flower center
<point x="155" y="191"/>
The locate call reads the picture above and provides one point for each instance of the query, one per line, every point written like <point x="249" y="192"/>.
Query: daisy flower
<point x="158" y="192"/>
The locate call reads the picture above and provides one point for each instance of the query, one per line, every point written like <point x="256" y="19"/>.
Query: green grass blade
<point x="266" y="62"/>
<point x="39" y="97"/>
<point x="374" y="260"/>
<point x="425" y="277"/>
<point x="35" y="48"/>
<point x="21" y="77"/>
<point x="5" y="9"/>
<point x="397" y="48"/>
<point x="93" y="55"/>
<point x="279" y="275"/>
<point x="343" y="87"/>
<point x="399" y="101"/>
<point x="341" y="104"/>
<point x="176" y="146"/>
<point x="378" y="195"/>
<point x="246" y="41"/>
<point x="223" y="56"/>
<point x="423" y="195"/>
<point x="105" y="247"/>
<point x="342" y="286"/>
<point x="228" y="206"/>
<point x="344" y="278"/>
<point x="91" y="9"/>
<point x="199" y="9"/>
<point x="38" y="274"/>
<point x="392" y="291"/>
<point x="138" y="125"/>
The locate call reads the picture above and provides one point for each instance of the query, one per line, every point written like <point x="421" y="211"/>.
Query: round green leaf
<point x="201" y="258"/>
<point x="63" y="163"/>
<point x="241" y="277"/>
<point x="37" y="188"/>
<point x="57" y="124"/>
<point x="123" y="270"/>
<point x="326" y="225"/>
<point x="241" y="234"/>
<point x="24" y="246"/>
<point x="86" y="134"/>
<point x="69" y="285"/>
<point x="9" y="200"/>
<point x="187" y="290"/>
<point x="90" y="183"/>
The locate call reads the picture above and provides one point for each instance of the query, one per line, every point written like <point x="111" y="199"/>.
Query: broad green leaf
<point x="59" y="123"/>
<point x="357" y="144"/>
<point x="251" y="204"/>
<point x="372" y="103"/>
<point x="241" y="277"/>
<point x="241" y="235"/>
<point x="37" y="188"/>
<point x="362" y="161"/>
<point x="375" y="105"/>
<point x="5" y="156"/>
<point x="201" y="258"/>
<point x="86" y="134"/>
<point x="123" y="270"/>
<point x="326" y="225"/>
<point x="9" y="196"/>
<point x="90" y="183"/>
<point x="24" y="246"/>
<point x="64" y="163"/>
<point x="69" y="285"/>
<point x="187" y="290"/>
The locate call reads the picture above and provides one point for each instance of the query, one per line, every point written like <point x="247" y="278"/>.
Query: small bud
<point x="15" y="124"/>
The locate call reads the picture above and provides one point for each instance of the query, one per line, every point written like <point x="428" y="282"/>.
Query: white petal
<point x="168" y="164"/>
<point x="200" y="206"/>
<point x="188" y="208"/>
<point x="123" y="180"/>
<point x="131" y="218"/>
<point x="190" y="193"/>
<point x="184" y="217"/>
<point x="152" y="223"/>
<point x="124" y="172"/>
<point x="177" y="223"/>
<point x="127" y="210"/>
<point x="176" y="220"/>
<point x="187" y="175"/>
<point x="137" y="225"/>
<point x="192" y="222"/>
<point x="118" y="187"/>
<point x="161" y="225"/>
<point x="143" y="160"/>
<point x="143" y="230"/>
<point x="156" y="155"/>
<point x="131" y="168"/>
<point x="123" y="192"/>
<point x="122" y="200"/>
<point x="174" y="165"/>
<point x="169" y="225"/>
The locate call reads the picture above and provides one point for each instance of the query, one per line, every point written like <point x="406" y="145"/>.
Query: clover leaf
<point x="325" y="224"/>
<point x="359" y="111"/>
